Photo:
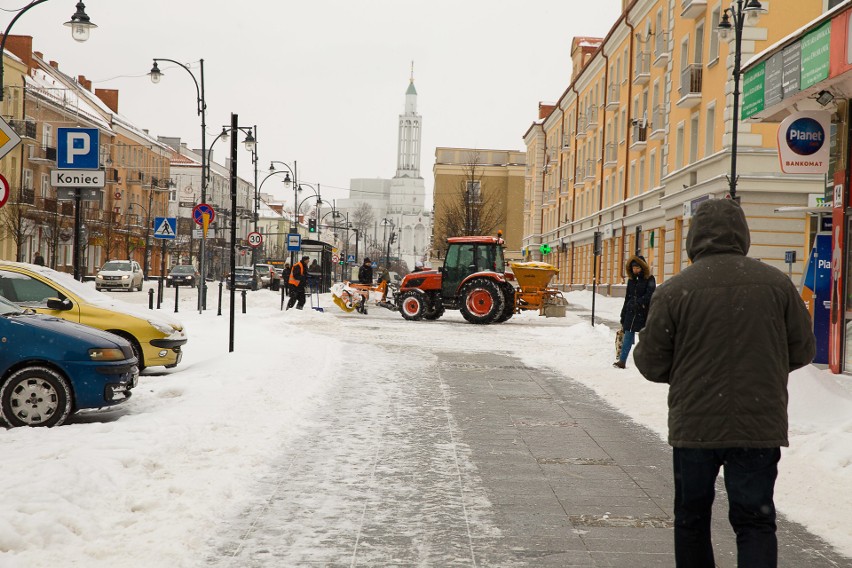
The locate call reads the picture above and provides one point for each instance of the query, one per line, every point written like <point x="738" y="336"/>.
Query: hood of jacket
<point x="718" y="227"/>
<point x="640" y="260"/>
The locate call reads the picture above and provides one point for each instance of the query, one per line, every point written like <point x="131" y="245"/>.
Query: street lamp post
<point x="734" y="18"/>
<point x="156" y="75"/>
<point x="79" y="23"/>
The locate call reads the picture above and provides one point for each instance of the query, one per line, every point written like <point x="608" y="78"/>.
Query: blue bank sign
<point x="803" y="144"/>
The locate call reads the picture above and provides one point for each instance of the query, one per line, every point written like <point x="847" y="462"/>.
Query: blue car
<point x="50" y="368"/>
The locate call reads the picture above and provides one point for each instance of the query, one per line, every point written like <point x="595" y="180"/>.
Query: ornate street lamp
<point x="734" y="18"/>
<point x="156" y="75"/>
<point x="80" y="23"/>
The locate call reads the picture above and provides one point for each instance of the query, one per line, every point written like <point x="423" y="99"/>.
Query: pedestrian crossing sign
<point x="165" y="227"/>
<point x="350" y="258"/>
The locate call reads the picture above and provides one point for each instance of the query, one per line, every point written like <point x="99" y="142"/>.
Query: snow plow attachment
<point x="534" y="294"/>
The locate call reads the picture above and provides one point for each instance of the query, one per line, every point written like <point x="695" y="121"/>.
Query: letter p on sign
<point x="77" y="148"/>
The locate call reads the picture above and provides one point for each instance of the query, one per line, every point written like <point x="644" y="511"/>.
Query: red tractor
<point x="473" y="280"/>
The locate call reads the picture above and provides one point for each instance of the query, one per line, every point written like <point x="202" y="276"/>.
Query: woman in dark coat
<point x="637" y="301"/>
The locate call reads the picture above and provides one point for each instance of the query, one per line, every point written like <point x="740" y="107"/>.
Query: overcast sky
<point x="325" y="80"/>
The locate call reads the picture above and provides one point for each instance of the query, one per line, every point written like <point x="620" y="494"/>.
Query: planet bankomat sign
<point x="803" y="142"/>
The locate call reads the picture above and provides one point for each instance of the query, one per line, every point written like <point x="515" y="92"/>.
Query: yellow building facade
<point x="642" y="135"/>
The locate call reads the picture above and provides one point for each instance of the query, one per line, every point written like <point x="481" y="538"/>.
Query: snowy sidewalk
<point x="473" y="460"/>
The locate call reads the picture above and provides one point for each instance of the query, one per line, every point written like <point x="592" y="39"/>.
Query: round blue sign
<point x="805" y="136"/>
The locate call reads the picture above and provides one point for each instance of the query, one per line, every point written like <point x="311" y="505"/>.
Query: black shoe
<point x="618" y="364"/>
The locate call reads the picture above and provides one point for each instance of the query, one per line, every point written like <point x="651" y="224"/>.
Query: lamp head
<point x="824" y="97"/>
<point x="250" y="142"/>
<point x="753" y="10"/>
<point x="724" y="27"/>
<point x="155" y="73"/>
<point x="80" y="23"/>
<point x="287" y="181"/>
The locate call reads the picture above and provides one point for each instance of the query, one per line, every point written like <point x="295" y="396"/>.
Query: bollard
<point x="204" y="296"/>
<point x="159" y="293"/>
<point x="244" y="301"/>
<point x="219" y="312"/>
<point x="177" y="289"/>
<point x="283" y="292"/>
<point x="150" y="298"/>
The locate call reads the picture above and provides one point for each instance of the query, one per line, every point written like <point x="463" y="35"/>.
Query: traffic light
<point x="312" y="225"/>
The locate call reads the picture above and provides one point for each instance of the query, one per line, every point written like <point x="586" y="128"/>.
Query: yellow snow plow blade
<point x="342" y="304"/>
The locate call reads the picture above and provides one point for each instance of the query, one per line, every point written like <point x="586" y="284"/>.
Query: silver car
<point x="119" y="275"/>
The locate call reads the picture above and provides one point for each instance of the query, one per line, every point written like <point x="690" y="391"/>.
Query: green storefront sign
<point x="812" y="56"/>
<point x="816" y="55"/>
<point x="753" y="90"/>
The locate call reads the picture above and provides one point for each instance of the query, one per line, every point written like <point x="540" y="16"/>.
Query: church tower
<point x="408" y="192"/>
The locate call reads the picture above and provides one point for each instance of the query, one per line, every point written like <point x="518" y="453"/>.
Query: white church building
<point x="398" y="202"/>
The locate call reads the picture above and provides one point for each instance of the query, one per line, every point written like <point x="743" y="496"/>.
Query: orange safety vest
<point x="296" y="281"/>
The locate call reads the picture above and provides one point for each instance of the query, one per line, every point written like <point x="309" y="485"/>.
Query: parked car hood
<point x="52" y="325"/>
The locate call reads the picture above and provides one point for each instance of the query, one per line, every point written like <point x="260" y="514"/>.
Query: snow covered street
<point x="289" y="450"/>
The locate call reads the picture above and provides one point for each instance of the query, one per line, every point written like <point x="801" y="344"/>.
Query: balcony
<point x="43" y="155"/>
<point x="661" y="49"/>
<point x="580" y="175"/>
<point x="611" y="155"/>
<point x="135" y="177"/>
<point x="642" y="72"/>
<point x="658" y="124"/>
<point x="590" y="169"/>
<point x="592" y="118"/>
<point x="692" y="9"/>
<point x="639" y="138"/>
<point x="690" y="86"/>
<point x="612" y="102"/>
<point x="24" y="128"/>
<point x="581" y="125"/>
<point x="27" y="196"/>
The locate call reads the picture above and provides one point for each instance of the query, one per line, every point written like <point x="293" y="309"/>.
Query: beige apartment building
<point x="476" y="192"/>
<point x="642" y="135"/>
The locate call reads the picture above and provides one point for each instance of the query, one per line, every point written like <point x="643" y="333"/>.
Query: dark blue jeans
<point x="750" y="475"/>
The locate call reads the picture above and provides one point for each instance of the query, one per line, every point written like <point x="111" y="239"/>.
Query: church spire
<point x="408" y="158"/>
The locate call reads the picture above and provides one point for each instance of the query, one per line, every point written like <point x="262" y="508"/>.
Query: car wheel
<point x="481" y="301"/>
<point x="412" y="304"/>
<point x="35" y="396"/>
<point x="137" y="349"/>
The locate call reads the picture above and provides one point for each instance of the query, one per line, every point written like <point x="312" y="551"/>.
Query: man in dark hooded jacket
<point x="725" y="334"/>
<point x="637" y="301"/>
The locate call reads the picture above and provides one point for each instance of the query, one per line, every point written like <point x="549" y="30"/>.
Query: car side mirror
<point x="57" y="304"/>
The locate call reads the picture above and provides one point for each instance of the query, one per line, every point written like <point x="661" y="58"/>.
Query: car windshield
<point x="183" y="270"/>
<point x="117" y="265"/>
<point x="7" y="308"/>
<point x="66" y="280"/>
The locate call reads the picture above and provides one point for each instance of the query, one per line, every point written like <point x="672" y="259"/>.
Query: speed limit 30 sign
<point x="255" y="239"/>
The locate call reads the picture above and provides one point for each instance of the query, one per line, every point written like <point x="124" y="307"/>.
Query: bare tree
<point x="363" y="217"/>
<point x="14" y="224"/>
<point x="473" y="208"/>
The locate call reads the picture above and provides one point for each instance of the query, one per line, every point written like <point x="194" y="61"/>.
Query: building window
<point x="679" y="147"/>
<point x="652" y="170"/>
<point x="713" y="54"/>
<point x="709" y="129"/>
<point x="693" y="139"/>
<point x="45" y="185"/>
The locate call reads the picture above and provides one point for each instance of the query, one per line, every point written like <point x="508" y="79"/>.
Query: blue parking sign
<point x="77" y="148"/>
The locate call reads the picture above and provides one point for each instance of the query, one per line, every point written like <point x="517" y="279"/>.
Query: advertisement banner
<point x="803" y="142"/>
<point x="816" y="55"/>
<point x="816" y="293"/>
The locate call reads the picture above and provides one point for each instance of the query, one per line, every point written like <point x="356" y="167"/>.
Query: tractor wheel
<point x="435" y="311"/>
<point x="481" y="301"/>
<point x="509" y="307"/>
<point x="412" y="305"/>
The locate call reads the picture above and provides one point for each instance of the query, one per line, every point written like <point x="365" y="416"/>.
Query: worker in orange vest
<point x="298" y="281"/>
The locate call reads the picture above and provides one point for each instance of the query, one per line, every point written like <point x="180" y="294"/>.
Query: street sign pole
<point x="75" y="257"/>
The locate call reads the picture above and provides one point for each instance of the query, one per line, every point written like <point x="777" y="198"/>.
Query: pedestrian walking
<point x="38" y="259"/>
<point x="637" y="300"/>
<point x="298" y="282"/>
<point x="365" y="272"/>
<point x="725" y="334"/>
<point x="285" y="278"/>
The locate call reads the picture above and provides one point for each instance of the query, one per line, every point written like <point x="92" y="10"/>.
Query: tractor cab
<point x="467" y="256"/>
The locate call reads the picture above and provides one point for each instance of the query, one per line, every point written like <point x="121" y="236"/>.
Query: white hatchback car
<point x="119" y="275"/>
